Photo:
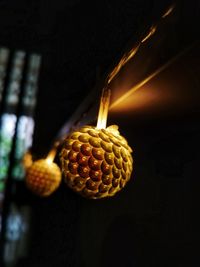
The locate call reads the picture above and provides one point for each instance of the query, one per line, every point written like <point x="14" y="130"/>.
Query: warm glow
<point x="103" y="109"/>
<point x="168" y="12"/>
<point x="51" y="156"/>
<point x="140" y="84"/>
<point x="152" y="30"/>
<point x="126" y="57"/>
<point x="130" y="54"/>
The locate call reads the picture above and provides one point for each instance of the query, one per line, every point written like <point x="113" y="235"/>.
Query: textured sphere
<point x="96" y="163"/>
<point x="43" y="178"/>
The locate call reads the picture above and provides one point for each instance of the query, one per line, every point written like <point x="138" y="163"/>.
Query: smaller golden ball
<point x="43" y="177"/>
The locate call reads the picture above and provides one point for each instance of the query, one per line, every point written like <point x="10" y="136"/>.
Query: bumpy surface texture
<point x="43" y="178"/>
<point x="96" y="163"/>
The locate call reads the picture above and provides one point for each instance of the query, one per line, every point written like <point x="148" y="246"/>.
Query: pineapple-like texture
<point x="96" y="163"/>
<point x="43" y="178"/>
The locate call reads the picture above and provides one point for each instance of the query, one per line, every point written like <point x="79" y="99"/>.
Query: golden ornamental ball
<point x="43" y="177"/>
<point x="96" y="163"/>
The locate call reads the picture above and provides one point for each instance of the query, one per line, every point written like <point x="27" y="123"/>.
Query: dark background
<point x="153" y="222"/>
<point x="79" y="40"/>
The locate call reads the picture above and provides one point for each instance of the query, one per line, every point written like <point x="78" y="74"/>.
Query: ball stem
<point x="50" y="157"/>
<point x="103" y="109"/>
